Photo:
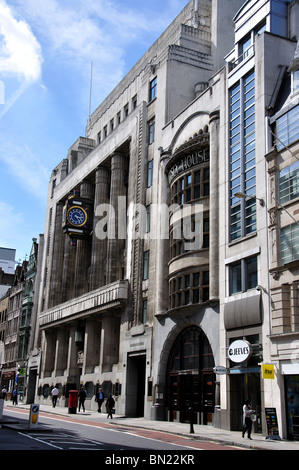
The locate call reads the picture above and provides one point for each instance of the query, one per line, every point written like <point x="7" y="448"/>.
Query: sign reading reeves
<point x="239" y="351"/>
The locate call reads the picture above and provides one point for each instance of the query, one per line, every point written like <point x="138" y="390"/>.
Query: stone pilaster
<point x="214" y="206"/>
<point x="116" y="229"/>
<point x="99" y="244"/>
<point x="57" y="259"/>
<point x="68" y="274"/>
<point x="83" y="250"/>
<point x="109" y="342"/>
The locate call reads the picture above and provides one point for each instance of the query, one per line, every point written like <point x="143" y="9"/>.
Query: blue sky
<point x="46" y="51"/>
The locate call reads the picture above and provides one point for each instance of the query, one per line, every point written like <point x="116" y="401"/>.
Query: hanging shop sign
<point x="220" y="370"/>
<point x="239" y="351"/>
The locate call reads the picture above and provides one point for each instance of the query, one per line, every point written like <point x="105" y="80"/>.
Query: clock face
<point x="77" y="216"/>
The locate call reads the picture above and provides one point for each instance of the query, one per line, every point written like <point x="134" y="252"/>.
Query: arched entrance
<point x="190" y="378"/>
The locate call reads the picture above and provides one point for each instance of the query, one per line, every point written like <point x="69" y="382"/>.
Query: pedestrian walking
<point x="82" y="397"/>
<point x="110" y="405"/>
<point x="15" y="397"/>
<point x="247" y="419"/>
<point x="4" y="393"/>
<point x="54" y="394"/>
<point x="100" y="399"/>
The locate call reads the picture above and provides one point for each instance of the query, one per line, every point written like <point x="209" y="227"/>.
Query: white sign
<point x="239" y="351"/>
<point x="220" y="370"/>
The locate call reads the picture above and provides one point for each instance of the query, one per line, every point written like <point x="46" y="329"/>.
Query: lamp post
<point x="245" y="196"/>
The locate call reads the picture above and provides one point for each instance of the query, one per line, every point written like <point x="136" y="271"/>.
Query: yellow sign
<point x="268" y="371"/>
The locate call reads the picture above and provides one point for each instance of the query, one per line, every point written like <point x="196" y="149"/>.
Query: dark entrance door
<point x="136" y="385"/>
<point x="31" y="385"/>
<point x="190" y="378"/>
<point x="245" y="387"/>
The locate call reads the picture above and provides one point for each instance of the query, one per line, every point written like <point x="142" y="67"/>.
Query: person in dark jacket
<point x="110" y="405"/>
<point x="100" y="399"/>
<point x="82" y="397"/>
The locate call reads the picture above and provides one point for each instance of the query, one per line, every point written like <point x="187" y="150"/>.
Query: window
<point x="195" y="185"/>
<point x="289" y="183"/>
<point x="145" y="265"/>
<point x="279" y="17"/>
<point x="242" y="157"/>
<point x="192" y="288"/>
<point x="295" y="81"/>
<point x="148" y="219"/>
<point x="150" y="170"/>
<point x="126" y="110"/>
<point x="151" y="131"/>
<point x="287" y="128"/>
<point x="243" y="275"/>
<point x="245" y="48"/>
<point x="153" y="89"/>
<point x="144" y="311"/>
<point x="289" y="244"/>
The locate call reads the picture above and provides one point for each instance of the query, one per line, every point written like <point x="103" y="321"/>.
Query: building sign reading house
<point x="239" y="351"/>
<point x="196" y="158"/>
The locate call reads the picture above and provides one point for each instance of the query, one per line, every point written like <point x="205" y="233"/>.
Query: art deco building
<point x="156" y="245"/>
<point x="111" y="268"/>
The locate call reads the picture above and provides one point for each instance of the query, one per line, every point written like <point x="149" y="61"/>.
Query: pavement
<point x="201" y="432"/>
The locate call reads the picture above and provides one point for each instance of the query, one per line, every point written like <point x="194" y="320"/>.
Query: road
<point x="69" y="433"/>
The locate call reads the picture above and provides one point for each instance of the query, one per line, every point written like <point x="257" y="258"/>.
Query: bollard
<point x="33" y="417"/>
<point x="191" y="420"/>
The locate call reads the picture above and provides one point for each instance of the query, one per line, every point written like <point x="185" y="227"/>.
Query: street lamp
<point x="245" y="196"/>
<point x="262" y="203"/>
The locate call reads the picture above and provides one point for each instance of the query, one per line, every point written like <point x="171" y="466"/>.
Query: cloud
<point x="26" y="167"/>
<point x="20" y="52"/>
<point x="12" y="219"/>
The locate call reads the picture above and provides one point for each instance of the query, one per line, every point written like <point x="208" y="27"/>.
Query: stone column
<point x="99" y="244"/>
<point x="72" y="356"/>
<point x="60" y="353"/>
<point x="116" y="228"/>
<point x="83" y="250"/>
<point x="214" y="206"/>
<point x="91" y="346"/>
<point x="49" y="341"/>
<point x="109" y="342"/>
<point x="68" y="274"/>
<point x="57" y="259"/>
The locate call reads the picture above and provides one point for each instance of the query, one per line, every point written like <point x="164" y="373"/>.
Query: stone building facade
<point x="105" y="279"/>
<point x="157" y="235"/>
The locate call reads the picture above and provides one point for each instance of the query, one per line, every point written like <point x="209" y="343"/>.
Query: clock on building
<point x="77" y="216"/>
<point x="77" y="219"/>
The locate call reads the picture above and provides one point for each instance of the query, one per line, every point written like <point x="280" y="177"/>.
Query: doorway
<point x="136" y="385"/>
<point x="245" y="387"/>
<point x="190" y="378"/>
<point x="31" y="386"/>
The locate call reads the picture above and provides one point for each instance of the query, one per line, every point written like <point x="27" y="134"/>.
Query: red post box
<point x="73" y="401"/>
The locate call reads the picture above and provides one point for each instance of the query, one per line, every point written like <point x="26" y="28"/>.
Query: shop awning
<point x="243" y="312"/>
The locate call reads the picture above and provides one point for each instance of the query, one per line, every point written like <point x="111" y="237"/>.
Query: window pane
<point x="235" y="278"/>
<point x="251" y="273"/>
